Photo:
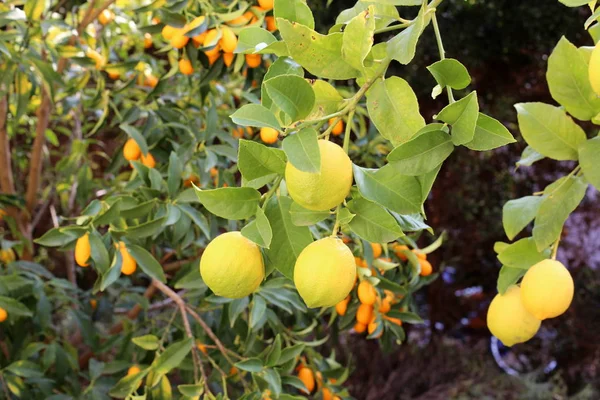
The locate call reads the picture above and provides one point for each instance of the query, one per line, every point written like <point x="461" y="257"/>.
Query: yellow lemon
<point x="232" y="266"/>
<point x="595" y="69"/>
<point x="326" y="189"/>
<point x="325" y="272"/>
<point x="83" y="250"/>
<point x="547" y="289"/>
<point x="508" y="319"/>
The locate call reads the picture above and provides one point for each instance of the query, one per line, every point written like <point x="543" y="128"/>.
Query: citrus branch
<point x="188" y="330"/>
<point x="438" y="38"/>
<point x="6" y="175"/>
<point x="555" y="248"/>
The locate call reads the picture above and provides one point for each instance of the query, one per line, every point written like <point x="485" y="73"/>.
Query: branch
<point x="6" y="175"/>
<point x="35" y="166"/>
<point x="188" y="330"/>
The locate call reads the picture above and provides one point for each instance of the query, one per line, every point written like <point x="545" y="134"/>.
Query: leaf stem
<point x="438" y="38"/>
<point x="555" y="248"/>
<point x="336" y="226"/>
<point x="267" y="196"/>
<point x="348" y="131"/>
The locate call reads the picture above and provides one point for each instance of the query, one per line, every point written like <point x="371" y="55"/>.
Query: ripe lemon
<point x="594" y="69"/>
<point x="83" y="250"/>
<point x="324" y="273"/>
<point x="3" y="314"/>
<point x="232" y="266"/>
<point x="547" y="289"/>
<point x="509" y="320"/>
<point x="326" y="189"/>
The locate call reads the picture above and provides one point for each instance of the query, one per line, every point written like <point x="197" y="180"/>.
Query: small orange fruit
<point x="376" y="250"/>
<point x="97" y="57"/>
<point x="385" y="306"/>
<point x="179" y="40"/>
<point x="114" y="75"/>
<point x="191" y="179"/>
<point x="134" y="369"/>
<point x="148" y="160"/>
<point x="326" y="395"/>
<point x="129" y="264"/>
<point x="364" y="314"/>
<point x="426" y="268"/>
<point x="308" y="378"/>
<point x="338" y="128"/>
<point x="253" y="60"/>
<point x="228" y="39"/>
<point x="420" y="255"/>
<point x="271" y="24"/>
<point x="395" y="321"/>
<point x="213" y="54"/>
<point x="210" y="39"/>
<point x="168" y="32"/>
<point x="201" y="347"/>
<point x="266" y="4"/>
<point x="131" y="150"/>
<point x="367" y="293"/>
<point x="147" y="40"/>
<point x="372" y="327"/>
<point x="360" y="262"/>
<point x="360" y="327"/>
<point x="268" y="135"/>
<point x="398" y="249"/>
<point x="106" y="17"/>
<point x="3" y="314"/>
<point x="83" y="250"/>
<point x="150" y="80"/>
<point x="228" y="58"/>
<point x="93" y="303"/>
<point x="342" y="306"/>
<point x="199" y="39"/>
<point x="185" y="66"/>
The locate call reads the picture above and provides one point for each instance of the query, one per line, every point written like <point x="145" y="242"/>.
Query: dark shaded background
<point x="505" y="46"/>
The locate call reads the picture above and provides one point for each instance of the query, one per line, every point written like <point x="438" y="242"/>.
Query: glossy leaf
<point x="421" y="154"/>
<point x="462" y="115"/>
<point x="489" y="134"/>
<point x="259" y="231"/>
<point x="372" y="222"/>
<point x="302" y="150"/>
<point x="230" y="203"/>
<point x="517" y="214"/>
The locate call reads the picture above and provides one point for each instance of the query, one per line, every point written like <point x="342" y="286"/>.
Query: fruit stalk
<point x="438" y="38"/>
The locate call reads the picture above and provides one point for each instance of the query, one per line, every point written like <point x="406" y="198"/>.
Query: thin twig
<point x="186" y="324"/>
<point x="6" y="175"/>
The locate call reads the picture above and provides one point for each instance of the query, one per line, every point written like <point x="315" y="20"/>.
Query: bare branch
<point x="6" y="175"/>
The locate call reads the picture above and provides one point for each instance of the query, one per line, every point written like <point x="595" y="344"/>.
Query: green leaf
<point x="321" y="55"/>
<point x="462" y="115"/>
<point x="529" y="157"/>
<point x="384" y="13"/>
<point x="589" y="160"/>
<point x="171" y="358"/>
<point x="450" y="72"/>
<point x="146" y="229"/>
<point x="290" y="353"/>
<point x="196" y="216"/>
<point x="25" y="369"/>
<point x="574" y="3"/>
<point x="521" y="254"/>
<point x="255" y="160"/>
<point x="294" y="11"/>
<point x="255" y="115"/>
<point x="109" y="215"/>
<point x="509" y="276"/>
<point x="421" y="154"/>
<point x="358" y="38"/>
<point x="99" y="253"/>
<point x="253" y="39"/>
<point x="137" y="136"/>
<point x="489" y="134"/>
<point x="549" y="131"/>
<point x="273" y="380"/>
<point x="292" y="94"/>
<point x="372" y="222"/>
<point x="288" y="239"/>
<point x="14" y="307"/>
<point x="147" y="342"/>
<point x="250" y="365"/>
<point x="34" y="9"/>
<point x="138" y="211"/>
<point x="403" y="46"/>
<point x="327" y="100"/>
<point x="569" y="82"/>
<point x="163" y="390"/>
<point x="412" y="223"/>
<point x="275" y="352"/>
<point x="147" y="262"/>
<point x="302" y="150"/>
<point x="259" y="231"/>
<point x="386" y="187"/>
<point x="560" y="199"/>
<point x="230" y="203"/>
<point x="191" y="390"/>
<point x="56" y="238"/>
<point x="303" y="217"/>
<point x="127" y="385"/>
<point x="174" y="176"/>
<point x="257" y="313"/>
<point x="517" y="214"/>
<point x="394" y="109"/>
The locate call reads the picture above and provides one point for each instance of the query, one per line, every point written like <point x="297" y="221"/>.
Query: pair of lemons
<point x="546" y="291"/>
<point x="232" y="266"/>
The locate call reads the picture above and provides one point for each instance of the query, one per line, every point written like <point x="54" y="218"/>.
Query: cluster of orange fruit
<point x="194" y="179"/>
<point x="132" y="152"/>
<point x="219" y="41"/>
<point x="312" y="380"/>
<point x="83" y="251"/>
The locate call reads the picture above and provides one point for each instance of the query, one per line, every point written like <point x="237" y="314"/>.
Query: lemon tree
<point x="553" y="132"/>
<point x="231" y="183"/>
